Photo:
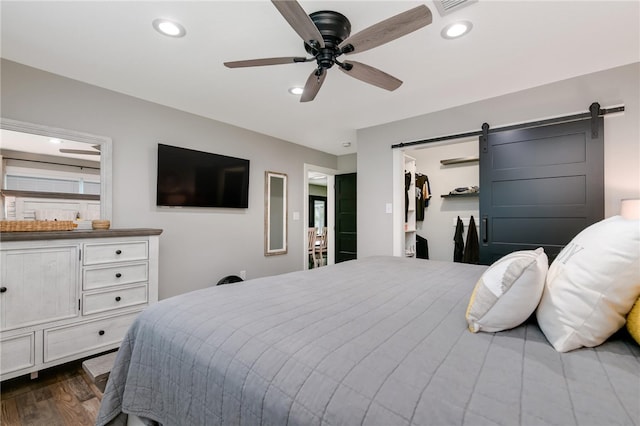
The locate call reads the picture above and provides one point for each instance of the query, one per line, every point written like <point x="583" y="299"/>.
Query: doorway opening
<point x="319" y="202"/>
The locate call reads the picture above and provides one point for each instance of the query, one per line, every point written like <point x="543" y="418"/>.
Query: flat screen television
<point x="189" y="178"/>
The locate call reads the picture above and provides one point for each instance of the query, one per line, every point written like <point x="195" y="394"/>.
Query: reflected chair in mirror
<point x="312" y="237"/>
<point x="321" y="248"/>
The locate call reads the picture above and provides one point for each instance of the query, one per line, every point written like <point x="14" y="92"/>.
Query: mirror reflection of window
<point x="50" y="168"/>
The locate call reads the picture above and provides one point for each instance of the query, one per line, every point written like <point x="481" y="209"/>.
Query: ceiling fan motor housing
<point x="334" y="27"/>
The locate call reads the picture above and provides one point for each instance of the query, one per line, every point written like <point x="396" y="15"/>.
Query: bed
<point x="375" y="341"/>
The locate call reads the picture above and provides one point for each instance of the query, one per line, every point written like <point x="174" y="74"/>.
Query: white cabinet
<point x="70" y="294"/>
<point x="42" y="277"/>
<point x="62" y="342"/>
<point x="18" y="352"/>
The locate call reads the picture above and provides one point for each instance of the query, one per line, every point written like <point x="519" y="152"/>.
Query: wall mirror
<point x="275" y="214"/>
<point x="48" y="169"/>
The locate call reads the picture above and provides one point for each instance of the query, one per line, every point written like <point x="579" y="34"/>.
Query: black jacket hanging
<point x="458" y="248"/>
<point x="421" y="181"/>
<point x="407" y="185"/>
<point x="472" y="247"/>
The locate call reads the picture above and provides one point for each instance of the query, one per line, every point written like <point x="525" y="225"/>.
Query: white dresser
<point x="66" y="295"/>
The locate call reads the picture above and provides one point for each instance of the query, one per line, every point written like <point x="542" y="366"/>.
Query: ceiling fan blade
<point x="263" y="62"/>
<point x="371" y="75"/>
<point x="312" y="86"/>
<point x="388" y="30"/>
<point x="79" y="151"/>
<point x="299" y="21"/>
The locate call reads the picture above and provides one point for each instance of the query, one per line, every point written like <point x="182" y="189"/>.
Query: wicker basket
<point x="36" y="225"/>
<point x="100" y="224"/>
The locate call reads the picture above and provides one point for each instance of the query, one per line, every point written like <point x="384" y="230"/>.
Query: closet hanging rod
<point x="563" y="119"/>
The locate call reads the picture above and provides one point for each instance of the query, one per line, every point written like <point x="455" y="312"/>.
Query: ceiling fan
<point x="96" y="150"/>
<point x="326" y="36"/>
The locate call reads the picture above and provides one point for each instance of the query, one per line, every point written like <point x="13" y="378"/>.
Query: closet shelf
<point x="458" y="160"/>
<point x="474" y="194"/>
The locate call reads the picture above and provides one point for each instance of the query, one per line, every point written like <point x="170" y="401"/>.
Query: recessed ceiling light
<point x="456" y="29"/>
<point x="169" y="28"/>
<point x="296" y="90"/>
<point x="55" y="140"/>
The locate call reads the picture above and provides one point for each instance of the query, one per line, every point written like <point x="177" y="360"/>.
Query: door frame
<point x="398" y="202"/>
<point x="331" y="202"/>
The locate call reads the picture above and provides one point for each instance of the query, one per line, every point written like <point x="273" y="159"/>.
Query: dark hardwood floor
<point x="60" y="396"/>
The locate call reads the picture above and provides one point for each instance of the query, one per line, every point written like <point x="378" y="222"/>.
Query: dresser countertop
<point x="78" y="233"/>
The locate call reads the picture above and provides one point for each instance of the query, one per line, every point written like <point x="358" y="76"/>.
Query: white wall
<point x="347" y="163"/>
<point x="198" y="246"/>
<point x="612" y="87"/>
<point x="438" y="225"/>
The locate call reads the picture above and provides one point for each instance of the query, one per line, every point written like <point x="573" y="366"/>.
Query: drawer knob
<point x="101" y="332"/>
<point x="118" y="298"/>
<point x="118" y="251"/>
<point x="118" y="275"/>
<point x="3" y="289"/>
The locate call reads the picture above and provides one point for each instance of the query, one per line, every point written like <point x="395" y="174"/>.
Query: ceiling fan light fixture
<point x="327" y="35"/>
<point x="296" y="90"/>
<point x="169" y="28"/>
<point x="456" y="29"/>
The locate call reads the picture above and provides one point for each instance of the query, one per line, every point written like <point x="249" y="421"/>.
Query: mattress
<point x="375" y="341"/>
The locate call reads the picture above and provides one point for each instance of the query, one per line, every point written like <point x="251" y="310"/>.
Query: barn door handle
<point x="485" y="229"/>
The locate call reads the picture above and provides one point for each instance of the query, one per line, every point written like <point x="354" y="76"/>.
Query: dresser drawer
<point x="71" y="340"/>
<point x="115" y="252"/>
<point x="94" y="303"/>
<point x="17" y="352"/>
<point x="114" y="275"/>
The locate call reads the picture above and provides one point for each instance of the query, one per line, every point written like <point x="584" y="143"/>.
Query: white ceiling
<point x="513" y="45"/>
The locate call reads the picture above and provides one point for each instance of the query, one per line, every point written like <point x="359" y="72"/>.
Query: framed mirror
<point x="34" y="145"/>
<point x="275" y="213"/>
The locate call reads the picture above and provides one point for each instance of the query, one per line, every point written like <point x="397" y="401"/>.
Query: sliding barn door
<point x="539" y="187"/>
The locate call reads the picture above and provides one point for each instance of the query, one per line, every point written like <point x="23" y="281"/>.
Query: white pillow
<point x="508" y="292"/>
<point x="592" y="285"/>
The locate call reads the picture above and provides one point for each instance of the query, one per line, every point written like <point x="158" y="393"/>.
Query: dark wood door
<point x="346" y="226"/>
<point x="539" y="187"/>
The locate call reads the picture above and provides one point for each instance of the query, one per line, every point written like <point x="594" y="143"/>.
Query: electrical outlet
<point x="243" y="275"/>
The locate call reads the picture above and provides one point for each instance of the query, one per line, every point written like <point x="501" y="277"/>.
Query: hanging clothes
<point x="420" y="184"/>
<point x="426" y="189"/>
<point x="458" y="248"/>
<point x="472" y="247"/>
<point x="407" y="185"/>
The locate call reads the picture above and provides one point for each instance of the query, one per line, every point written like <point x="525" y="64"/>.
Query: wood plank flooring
<point x="60" y="396"/>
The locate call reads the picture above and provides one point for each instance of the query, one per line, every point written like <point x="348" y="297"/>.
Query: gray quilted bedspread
<point x="377" y="341"/>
